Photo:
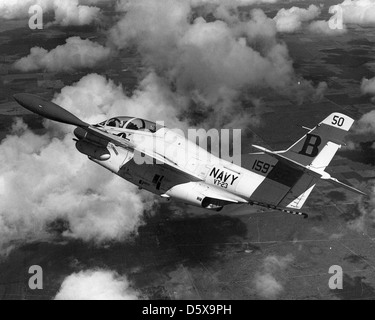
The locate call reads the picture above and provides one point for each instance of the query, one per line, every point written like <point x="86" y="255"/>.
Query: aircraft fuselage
<point x="202" y="171"/>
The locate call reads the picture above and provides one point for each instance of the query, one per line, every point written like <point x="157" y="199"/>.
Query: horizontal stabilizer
<point x="343" y="185"/>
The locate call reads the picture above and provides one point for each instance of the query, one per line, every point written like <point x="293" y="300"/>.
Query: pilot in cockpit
<point x="114" y="123"/>
<point x="132" y="126"/>
<point x="152" y="128"/>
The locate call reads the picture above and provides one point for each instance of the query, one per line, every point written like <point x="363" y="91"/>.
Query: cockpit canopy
<point x="131" y="123"/>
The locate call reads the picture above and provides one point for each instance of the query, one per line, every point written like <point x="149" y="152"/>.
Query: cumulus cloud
<point x="70" y="13"/>
<point x="43" y="178"/>
<point x="368" y="86"/>
<point x="217" y="60"/>
<point x="269" y="282"/>
<point x="211" y="63"/>
<point x="96" y="285"/>
<point x="12" y="9"/>
<point x="95" y="98"/>
<point x="290" y="20"/>
<point x="75" y="54"/>
<point x="360" y="12"/>
<point x="366" y="124"/>
<point x="205" y="56"/>
<point x="67" y="13"/>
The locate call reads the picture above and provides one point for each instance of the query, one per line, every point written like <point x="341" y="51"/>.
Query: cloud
<point x="96" y="285"/>
<point x="67" y="13"/>
<point x="366" y="124"/>
<point x="44" y="179"/>
<point x="70" y="13"/>
<point x="12" y="9"/>
<point x="213" y="59"/>
<point x="75" y="54"/>
<point x="215" y="64"/>
<point x="290" y="20"/>
<point x="368" y="86"/>
<point x="269" y="281"/>
<point x="95" y="98"/>
<point x="360" y="12"/>
<point x="323" y="27"/>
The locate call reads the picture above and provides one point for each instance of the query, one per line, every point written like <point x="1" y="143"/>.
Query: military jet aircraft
<point x="176" y="168"/>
